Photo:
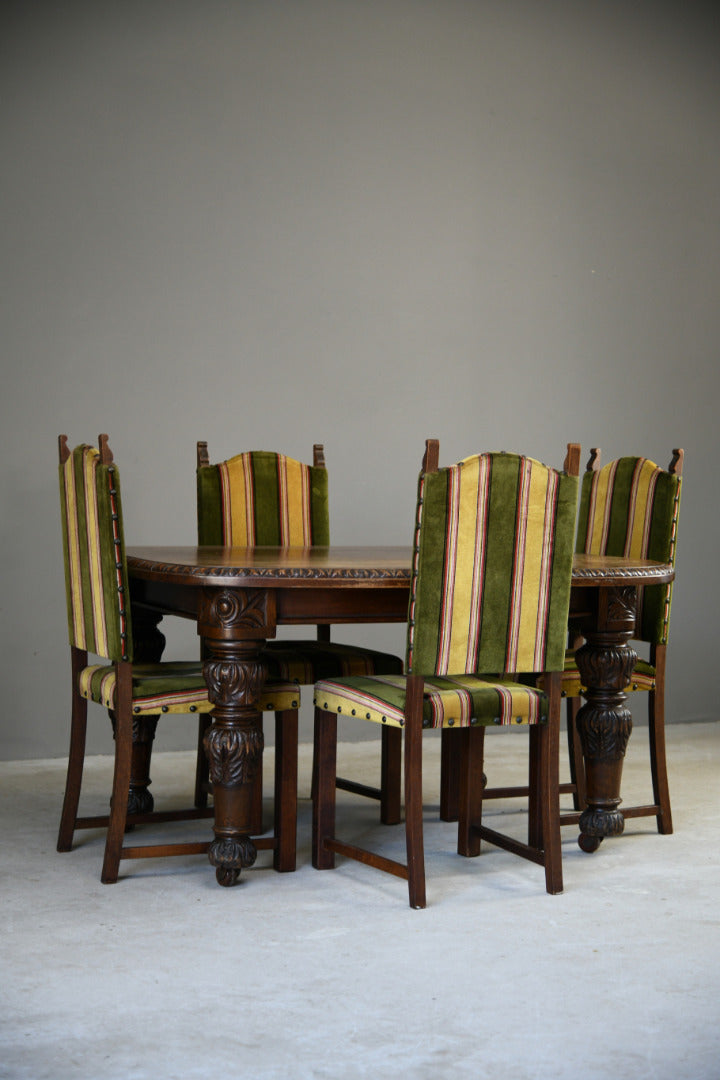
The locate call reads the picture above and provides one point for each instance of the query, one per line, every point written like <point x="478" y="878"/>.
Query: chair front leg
<point x="413" y="792"/>
<point x="286" y="771"/>
<point x="549" y="794"/>
<point x="121" y="775"/>
<point x="323" y="786"/>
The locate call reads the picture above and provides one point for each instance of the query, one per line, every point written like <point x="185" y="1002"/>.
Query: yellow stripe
<point x="460" y="602"/>
<point x="80" y="641"/>
<point x="238" y="494"/>
<point x="531" y="576"/>
<point x="90" y="463"/>
<point x="297" y="503"/>
<point x="635" y="547"/>
<point x="600" y="509"/>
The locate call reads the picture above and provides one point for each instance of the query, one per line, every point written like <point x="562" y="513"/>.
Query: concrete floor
<point x="331" y="975"/>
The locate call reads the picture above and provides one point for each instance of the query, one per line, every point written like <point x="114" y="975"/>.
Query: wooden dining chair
<point x="265" y="498"/>
<point x="490" y="592"/>
<point x="100" y="622"/>
<point x="631" y="507"/>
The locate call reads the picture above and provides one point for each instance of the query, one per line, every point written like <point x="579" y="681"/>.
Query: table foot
<point x="589" y="843"/>
<point x="229" y="855"/>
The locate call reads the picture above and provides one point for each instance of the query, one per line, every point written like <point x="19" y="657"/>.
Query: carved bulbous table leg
<point x="605" y="662"/>
<point x="234" y="746"/>
<point x="232" y="623"/>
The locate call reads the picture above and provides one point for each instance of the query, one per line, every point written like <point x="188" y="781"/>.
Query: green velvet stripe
<point x="175" y="687"/>
<point x="460" y="701"/>
<point x="209" y="507"/>
<point x="492" y="567"/>
<point x="307" y="661"/>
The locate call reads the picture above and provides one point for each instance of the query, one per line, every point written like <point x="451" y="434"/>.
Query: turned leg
<point x="140" y="800"/>
<point x="604" y="723"/>
<point x="148" y="645"/>
<point x="233" y="624"/>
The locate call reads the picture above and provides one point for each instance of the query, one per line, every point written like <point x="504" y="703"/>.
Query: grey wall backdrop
<point x="361" y="222"/>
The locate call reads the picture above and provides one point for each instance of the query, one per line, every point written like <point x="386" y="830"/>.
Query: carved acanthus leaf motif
<point x="231" y="851"/>
<point x="234" y="754"/>
<point x="599" y="822"/>
<point x="610" y="667"/>
<point x="233" y="683"/>
<point x="604" y="733"/>
<point x="622" y="603"/>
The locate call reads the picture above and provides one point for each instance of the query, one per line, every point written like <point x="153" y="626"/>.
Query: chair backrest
<point x="630" y="507"/>
<point x="492" y="565"/>
<point x="98" y="601"/>
<point x="262" y="498"/>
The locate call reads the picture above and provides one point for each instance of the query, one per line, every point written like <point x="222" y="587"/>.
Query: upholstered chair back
<point x="491" y="567"/>
<point x="98" y="602"/>
<point x="262" y="498"/>
<point x="630" y="507"/>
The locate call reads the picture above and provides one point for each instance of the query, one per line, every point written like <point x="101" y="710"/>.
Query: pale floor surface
<point x="331" y="975"/>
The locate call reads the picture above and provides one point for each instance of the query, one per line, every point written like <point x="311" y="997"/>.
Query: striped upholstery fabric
<point x="490" y="593"/>
<point x="447" y="702"/>
<point x="262" y="498"/>
<point x="630" y="507"/>
<point x="492" y="566"/>
<point x="95" y="570"/>
<point x="173" y="687"/>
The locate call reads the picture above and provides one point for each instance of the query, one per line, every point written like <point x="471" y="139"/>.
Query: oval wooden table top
<point x="384" y="566"/>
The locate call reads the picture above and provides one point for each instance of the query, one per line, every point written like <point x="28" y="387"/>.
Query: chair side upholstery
<point x="262" y="498"/>
<point x="98" y="601"/>
<point x="630" y="507"/>
<point x="492" y="565"/>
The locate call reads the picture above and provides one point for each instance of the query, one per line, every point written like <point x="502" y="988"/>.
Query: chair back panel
<point x="630" y="507"/>
<point x="95" y="569"/>
<point x="262" y="498"/>
<point x="492" y="566"/>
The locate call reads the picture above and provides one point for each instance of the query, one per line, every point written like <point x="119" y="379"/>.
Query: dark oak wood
<point x="660" y="808"/>
<point x="239" y="596"/>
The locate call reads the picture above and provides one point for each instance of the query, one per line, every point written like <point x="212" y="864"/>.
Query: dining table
<point x="239" y="596"/>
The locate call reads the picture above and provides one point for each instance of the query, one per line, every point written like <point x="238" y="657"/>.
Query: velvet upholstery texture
<point x="630" y="507"/>
<point x="261" y="498"/>
<point x="95" y="570"/>
<point x="457" y="701"/>
<point x="173" y="687"/>
<point x="492" y="562"/>
<point x="492" y="566"/>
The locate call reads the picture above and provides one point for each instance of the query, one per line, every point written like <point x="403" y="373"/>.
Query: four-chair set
<point x="486" y="642"/>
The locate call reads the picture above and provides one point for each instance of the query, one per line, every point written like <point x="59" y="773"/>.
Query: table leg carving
<point x="148" y="645"/>
<point x="605" y="662"/>
<point x="234" y="746"/>
<point x="140" y="800"/>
